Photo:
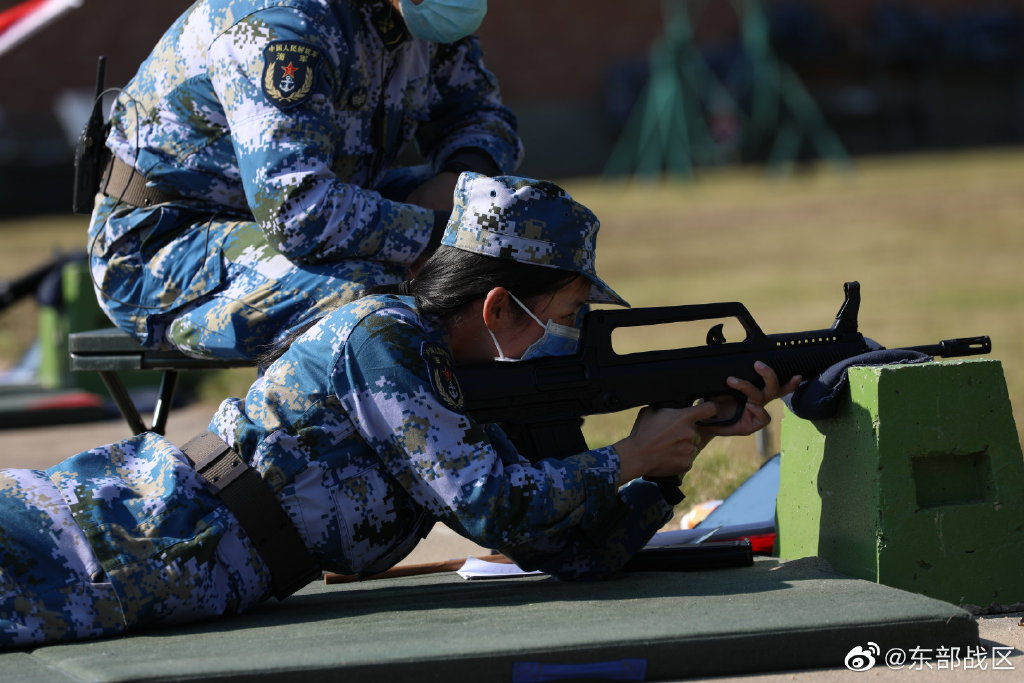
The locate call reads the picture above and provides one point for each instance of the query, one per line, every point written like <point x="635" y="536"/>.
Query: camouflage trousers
<point x="52" y="588"/>
<point x="212" y="286"/>
<point x="264" y="297"/>
<point x="215" y="287"/>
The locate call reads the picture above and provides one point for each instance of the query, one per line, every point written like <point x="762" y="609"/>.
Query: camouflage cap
<point x="526" y="220"/>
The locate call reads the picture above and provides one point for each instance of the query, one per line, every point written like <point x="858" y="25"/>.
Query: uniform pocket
<point x="157" y="260"/>
<point x="381" y="525"/>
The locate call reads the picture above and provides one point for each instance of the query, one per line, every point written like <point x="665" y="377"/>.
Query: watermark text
<point x="994" y="658"/>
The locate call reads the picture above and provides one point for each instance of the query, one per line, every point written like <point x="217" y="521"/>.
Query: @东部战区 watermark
<point x="870" y="655"/>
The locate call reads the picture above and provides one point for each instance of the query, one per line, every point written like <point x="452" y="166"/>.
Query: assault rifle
<point x="540" y="402"/>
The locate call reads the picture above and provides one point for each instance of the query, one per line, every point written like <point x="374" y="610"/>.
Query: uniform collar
<point x="434" y="329"/>
<point x="387" y="21"/>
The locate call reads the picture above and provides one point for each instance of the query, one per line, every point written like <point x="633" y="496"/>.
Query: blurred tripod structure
<point x="688" y="116"/>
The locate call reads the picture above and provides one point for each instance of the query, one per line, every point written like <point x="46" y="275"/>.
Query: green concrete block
<point x="917" y="483"/>
<point x="79" y="311"/>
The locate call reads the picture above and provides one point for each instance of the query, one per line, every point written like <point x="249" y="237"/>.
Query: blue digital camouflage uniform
<point x="278" y="124"/>
<point x="117" y="537"/>
<point x="355" y="429"/>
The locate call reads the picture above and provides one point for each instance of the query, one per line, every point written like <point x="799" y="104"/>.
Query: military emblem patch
<point x="442" y="377"/>
<point x="289" y="71"/>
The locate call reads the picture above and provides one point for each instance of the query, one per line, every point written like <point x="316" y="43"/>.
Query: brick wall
<point x="540" y="49"/>
<point x="552" y="58"/>
<point x="556" y="49"/>
<point x="63" y="54"/>
<point x="559" y="49"/>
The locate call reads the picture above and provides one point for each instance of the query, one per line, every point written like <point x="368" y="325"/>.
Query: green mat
<point x="771" y="616"/>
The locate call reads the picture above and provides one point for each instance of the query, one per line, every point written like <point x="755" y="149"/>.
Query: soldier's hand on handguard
<point x="754" y="415"/>
<point x="664" y="442"/>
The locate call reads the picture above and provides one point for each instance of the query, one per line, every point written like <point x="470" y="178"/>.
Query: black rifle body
<point x="541" y="402"/>
<point x="90" y="151"/>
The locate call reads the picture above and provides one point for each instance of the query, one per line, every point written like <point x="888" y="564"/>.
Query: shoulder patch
<point x="289" y="71"/>
<point x="442" y="377"/>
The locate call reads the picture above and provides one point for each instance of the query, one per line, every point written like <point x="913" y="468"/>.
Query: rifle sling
<point x="127" y="184"/>
<point x="258" y="511"/>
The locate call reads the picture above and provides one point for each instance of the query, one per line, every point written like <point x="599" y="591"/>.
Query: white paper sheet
<point x="481" y="569"/>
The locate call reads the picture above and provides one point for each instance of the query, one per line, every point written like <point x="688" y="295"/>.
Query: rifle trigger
<point x="715" y="335"/>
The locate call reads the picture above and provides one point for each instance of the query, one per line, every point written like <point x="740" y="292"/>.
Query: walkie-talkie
<point x="89" y="154"/>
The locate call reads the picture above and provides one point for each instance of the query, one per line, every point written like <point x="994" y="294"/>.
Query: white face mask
<point x="557" y="340"/>
<point x="443" y="21"/>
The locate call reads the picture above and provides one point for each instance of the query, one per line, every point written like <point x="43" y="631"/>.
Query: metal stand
<point x="110" y="351"/>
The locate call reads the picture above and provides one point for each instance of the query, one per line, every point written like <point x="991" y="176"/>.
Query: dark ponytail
<point x="452" y="279"/>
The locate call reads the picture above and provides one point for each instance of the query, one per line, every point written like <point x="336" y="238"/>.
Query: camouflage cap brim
<point x="529" y="221"/>
<point x="601" y="293"/>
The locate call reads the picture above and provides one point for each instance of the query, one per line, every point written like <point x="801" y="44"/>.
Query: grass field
<point x="936" y="241"/>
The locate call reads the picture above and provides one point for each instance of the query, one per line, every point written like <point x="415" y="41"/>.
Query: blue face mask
<point x="443" y="21"/>
<point x="557" y="340"/>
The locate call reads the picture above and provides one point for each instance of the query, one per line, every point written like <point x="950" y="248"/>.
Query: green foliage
<point x="25" y="244"/>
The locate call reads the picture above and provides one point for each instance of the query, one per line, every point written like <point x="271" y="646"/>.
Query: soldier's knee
<point x="234" y="339"/>
<point x="183" y="334"/>
<point x="195" y="338"/>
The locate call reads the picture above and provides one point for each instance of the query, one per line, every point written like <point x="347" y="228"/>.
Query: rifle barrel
<point x="954" y="348"/>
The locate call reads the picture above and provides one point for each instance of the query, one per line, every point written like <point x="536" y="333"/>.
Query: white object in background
<point x="34" y="19"/>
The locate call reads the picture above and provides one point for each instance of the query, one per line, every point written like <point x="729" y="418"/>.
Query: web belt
<point x="125" y="183"/>
<point x="263" y="519"/>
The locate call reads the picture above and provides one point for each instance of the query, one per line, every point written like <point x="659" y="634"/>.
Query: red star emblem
<point x="289" y="70"/>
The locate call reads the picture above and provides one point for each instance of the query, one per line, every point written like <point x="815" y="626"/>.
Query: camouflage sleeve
<point x="396" y="387"/>
<point x="466" y="110"/>
<point x="597" y="551"/>
<point x="285" y="150"/>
